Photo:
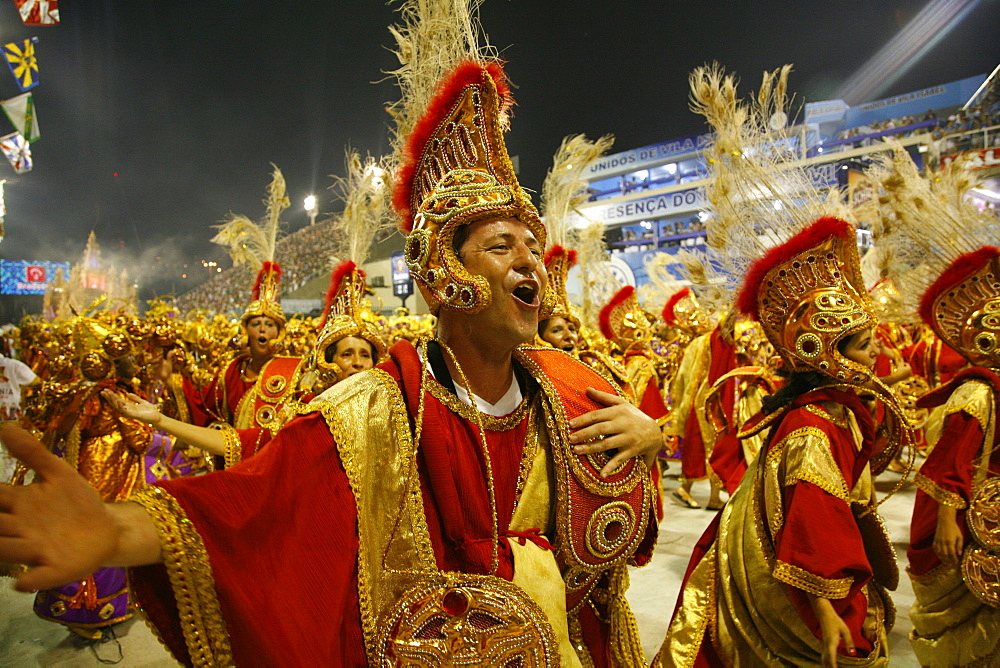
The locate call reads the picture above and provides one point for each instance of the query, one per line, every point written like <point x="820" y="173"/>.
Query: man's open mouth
<point x="527" y="293"/>
<point x="262" y="340"/>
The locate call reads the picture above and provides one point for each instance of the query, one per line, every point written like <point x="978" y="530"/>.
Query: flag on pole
<point x="17" y="151"/>
<point x="22" y="62"/>
<point x="21" y="112"/>
<point x="38" y="12"/>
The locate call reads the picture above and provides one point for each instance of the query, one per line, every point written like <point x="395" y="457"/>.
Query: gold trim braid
<point x="191" y="579"/>
<point x="942" y="496"/>
<point x="810" y="582"/>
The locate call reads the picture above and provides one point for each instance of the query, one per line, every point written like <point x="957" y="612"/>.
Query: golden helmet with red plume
<point x="556" y="304"/>
<point x="963" y="306"/>
<point x="808" y="295"/>
<point x="266" y="297"/>
<point x="684" y="311"/>
<point x="455" y="171"/>
<point x="623" y="321"/>
<point x="342" y="315"/>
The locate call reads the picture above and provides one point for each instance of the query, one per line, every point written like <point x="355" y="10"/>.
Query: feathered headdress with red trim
<point x="343" y="314"/>
<point x="555" y="303"/>
<point x="266" y="295"/>
<point x="453" y="164"/>
<point x="668" y="309"/>
<point x="623" y="321"/>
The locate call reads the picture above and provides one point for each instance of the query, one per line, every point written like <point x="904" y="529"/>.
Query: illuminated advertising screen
<point x="400" y="272"/>
<point x="26" y="277"/>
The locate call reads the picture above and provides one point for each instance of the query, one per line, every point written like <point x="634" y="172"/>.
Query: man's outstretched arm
<point x="59" y="527"/>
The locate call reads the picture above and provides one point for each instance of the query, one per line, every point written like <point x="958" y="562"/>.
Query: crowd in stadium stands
<point x="984" y="114"/>
<point x="302" y="255"/>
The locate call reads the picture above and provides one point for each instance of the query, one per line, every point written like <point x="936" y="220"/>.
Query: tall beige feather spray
<point x="926" y="222"/>
<point x="254" y="243"/>
<point x="758" y="196"/>
<point x="364" y="190"/>
<point x="432" y="38"/>
<point x="565" y="187"/>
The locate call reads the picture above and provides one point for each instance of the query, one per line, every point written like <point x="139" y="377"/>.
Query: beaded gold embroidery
<point x="942" y="496"/>
<point x="459" y="619"/>
<point x="810" y="582"/>
<point x="191" y="579"/>
<point x="490" y="422"/>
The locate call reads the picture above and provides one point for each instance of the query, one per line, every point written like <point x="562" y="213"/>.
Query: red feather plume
<point x="336" y="277"/>
<point x="557" y="250"/>
<point x="959" y="270"/>
<point x="668" y="310"/>
<point x="604" y="318"/>
<point x="816" y="233"/>
<point x="469" y="72"/>
<point x="265" y="269"/>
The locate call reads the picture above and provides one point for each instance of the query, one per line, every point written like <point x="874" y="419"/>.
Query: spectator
<point x="13" y="376"/>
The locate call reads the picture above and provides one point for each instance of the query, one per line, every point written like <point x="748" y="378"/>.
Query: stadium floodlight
<point x="310" y="206"/>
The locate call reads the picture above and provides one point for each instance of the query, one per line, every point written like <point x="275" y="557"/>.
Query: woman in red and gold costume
<point x="249" y="391"/>
<point x="793" y="571"/>
<point x="769" y="556"/>
<point x="941" y="239"/>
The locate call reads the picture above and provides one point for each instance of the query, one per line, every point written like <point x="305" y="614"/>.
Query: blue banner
<point x="626" y="161"/>
<point x="25" y="277"/>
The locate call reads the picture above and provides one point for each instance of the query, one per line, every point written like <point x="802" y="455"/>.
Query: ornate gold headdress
<point x="943" y="253"/>
<point x="254" y="244"/>
<point x="364" y="193"/>
<point x="453" y="163"/>
<point x="345" y="303"/>
<point x="558" y="262"/>
<point x="623" y="321"/>
<point x="684" y="311"/>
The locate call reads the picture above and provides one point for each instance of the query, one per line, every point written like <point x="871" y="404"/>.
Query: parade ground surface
<point x="26" y="640"/>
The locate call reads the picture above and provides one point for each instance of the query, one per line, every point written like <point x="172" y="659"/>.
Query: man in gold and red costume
<point x="461" y="502"/>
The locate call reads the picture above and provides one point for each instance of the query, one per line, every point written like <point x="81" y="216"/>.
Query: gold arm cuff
<point x="233" y="448"/>
<point x="810" y="582"/>
<point x="942" y="496"/>
<point x="191" y="579"/>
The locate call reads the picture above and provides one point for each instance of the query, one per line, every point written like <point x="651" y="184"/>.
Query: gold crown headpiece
<point x="454" y="171"/>
<point x="623" y="321"/>
<point x="683" y="310"/>
<point x="345" y="303"/>
<point x="963" y="306"/>
<point x="556" y="304"/>
<point x="266" y="296"/>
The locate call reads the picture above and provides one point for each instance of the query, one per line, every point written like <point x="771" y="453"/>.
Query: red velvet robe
<point x="217" y="401"/>
<point x="819" y="533"/>
<point x="950" y="468"/>
<point x="280" y="531"/>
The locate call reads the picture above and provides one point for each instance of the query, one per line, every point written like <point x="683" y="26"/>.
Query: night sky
<point x="190" y="102"/>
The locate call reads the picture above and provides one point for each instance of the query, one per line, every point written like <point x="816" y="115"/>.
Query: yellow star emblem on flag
<point x="22" y="62"/>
